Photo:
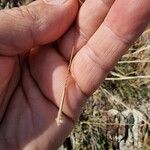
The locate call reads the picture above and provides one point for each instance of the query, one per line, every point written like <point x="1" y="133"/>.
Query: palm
<point x="29" y="113"/>
<point x="32" y="98"/>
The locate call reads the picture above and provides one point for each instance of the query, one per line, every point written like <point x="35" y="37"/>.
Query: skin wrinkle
<point x="30" y="108"/>
<point x="3" y="85"/>
<point x="42" y="23"/>
<point x="4" y="134"/>
<point x="85" y="94"/>
<point x="78" y="89"/>
<point x="28" y="103"/>
<point x="27" y="100"/>
<point x="30" y="13"/>
<point x="9" y="13"/>
<point x="120" y="38"/>
<point x="95" y="58"/>
<point x="17" y="119"/>
<point x="21" y="12"/>
<point x="17" y="131"/>
<point x="5" y="102"/>
<point x="34" y="19"/>
<point x="5" y="112"/>
<point x="78" y="85"/>
<point x="2" y="94"/>
<point x="6" y="109"/>
<point x="25" y="95"/>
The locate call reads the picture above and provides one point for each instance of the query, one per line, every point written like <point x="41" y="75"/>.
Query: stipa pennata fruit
<point x="59" y="119"/>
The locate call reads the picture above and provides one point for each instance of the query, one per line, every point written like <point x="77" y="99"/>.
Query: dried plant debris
<point x="113" y="116"/>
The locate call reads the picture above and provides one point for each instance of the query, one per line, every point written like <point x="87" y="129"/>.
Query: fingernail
<point x="55" y="2"/>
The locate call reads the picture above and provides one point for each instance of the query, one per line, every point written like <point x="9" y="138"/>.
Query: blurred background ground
<point x="117" y="115"/>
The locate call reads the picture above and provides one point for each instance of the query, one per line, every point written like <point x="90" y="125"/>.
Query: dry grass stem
<point x="110" y="124"/>
<point x="128" y="55"/>
<point x="134" y="61"/>
<point x="128" y="78"/>
<point x="59" y="119"/>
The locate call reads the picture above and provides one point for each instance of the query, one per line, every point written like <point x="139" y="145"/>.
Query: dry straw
<point x="59" y="119"/>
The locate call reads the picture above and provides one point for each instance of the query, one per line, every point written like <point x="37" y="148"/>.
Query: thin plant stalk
<point x="59" y="119"/>
<point x="128" y="78"/>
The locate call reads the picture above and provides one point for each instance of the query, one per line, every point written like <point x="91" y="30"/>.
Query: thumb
<point x="39" y="23"/>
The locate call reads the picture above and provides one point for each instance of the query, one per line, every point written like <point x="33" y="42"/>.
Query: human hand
<point x="32" y="77"/>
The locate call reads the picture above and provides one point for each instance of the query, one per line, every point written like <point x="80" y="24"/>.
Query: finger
<point x="91" y="15"/>
<point x="49" y="71"/>
<point x="109" y="43"/>
<point x="36" y="24"/>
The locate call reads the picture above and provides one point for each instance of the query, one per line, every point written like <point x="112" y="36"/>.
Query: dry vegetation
<point x="119" y="106"/>
<point x="118" y="113"/>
